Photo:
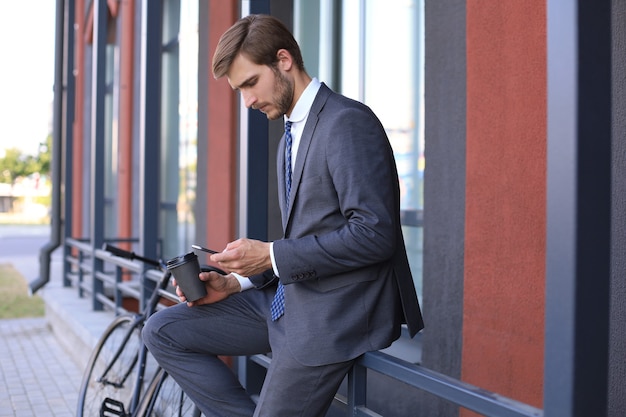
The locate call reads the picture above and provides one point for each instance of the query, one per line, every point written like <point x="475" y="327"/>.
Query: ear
<point x="285" y="60"/>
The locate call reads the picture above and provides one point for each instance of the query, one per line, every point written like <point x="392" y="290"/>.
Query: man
<point x="336" y="286"/>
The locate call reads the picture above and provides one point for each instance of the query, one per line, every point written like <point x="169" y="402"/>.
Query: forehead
<point x="243" y="70"/>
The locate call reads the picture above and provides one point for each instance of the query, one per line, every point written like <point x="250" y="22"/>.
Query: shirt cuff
<point x="244" y="282"/>
<point x="274" y="267"/>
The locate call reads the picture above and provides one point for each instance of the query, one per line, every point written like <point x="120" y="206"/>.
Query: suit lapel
<point x="303" y="149"/>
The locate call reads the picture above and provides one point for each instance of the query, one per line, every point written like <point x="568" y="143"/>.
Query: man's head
<point x="259" y="38"/>
<point x="262" y="60"/>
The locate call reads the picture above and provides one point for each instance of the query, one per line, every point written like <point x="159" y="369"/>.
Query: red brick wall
<point x="504" y="283"/>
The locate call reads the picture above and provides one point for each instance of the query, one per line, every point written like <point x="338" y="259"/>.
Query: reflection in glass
<point x="382" y="65"/>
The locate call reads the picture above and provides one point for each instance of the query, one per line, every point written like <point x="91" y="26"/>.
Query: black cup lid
<point x="181" y="259"/>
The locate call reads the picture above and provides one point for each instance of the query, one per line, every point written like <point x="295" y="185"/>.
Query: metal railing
<point x="121" y="279"/>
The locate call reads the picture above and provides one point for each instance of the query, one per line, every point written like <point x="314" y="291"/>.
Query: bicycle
<point x="113" y="380"/>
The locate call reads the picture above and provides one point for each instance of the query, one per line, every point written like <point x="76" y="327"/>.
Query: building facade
<point x="507" y="123"/>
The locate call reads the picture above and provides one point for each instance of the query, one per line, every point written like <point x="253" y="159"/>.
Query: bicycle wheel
<point x="165" y="398"/>
<point x="111" y="371"/>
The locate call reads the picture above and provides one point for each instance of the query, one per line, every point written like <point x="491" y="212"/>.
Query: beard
<point x="283" y="95"/>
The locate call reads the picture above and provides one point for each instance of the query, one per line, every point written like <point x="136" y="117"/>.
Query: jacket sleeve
<point x="345" y="212"/>
<point x="264" y="279"/>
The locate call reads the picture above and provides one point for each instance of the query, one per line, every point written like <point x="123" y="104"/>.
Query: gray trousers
<point x="186" y="341"/>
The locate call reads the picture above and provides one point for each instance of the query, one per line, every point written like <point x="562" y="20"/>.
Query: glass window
<point x="188" y="126"/>
<point x="372" y="51"/>
<point x="382" y="65"/>
<point x="179" y="125"/>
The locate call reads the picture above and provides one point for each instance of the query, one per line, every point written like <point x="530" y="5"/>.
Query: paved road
<point x="37" y="376"/>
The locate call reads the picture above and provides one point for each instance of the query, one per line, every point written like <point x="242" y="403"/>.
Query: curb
<point x="73" y="323"/>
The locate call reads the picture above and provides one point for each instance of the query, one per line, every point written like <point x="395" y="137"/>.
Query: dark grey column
<point x="150" y="131"/>
<point x="617" y="338"/>
<point x="98" y="138"/>
<point x="578" y="208"/>
<point x="68" y="133"/>
<point x="444" y="194"/>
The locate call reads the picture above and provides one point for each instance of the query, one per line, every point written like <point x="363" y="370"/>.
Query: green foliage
<point x="45" y="156"/>
<point x="15" y="164"/>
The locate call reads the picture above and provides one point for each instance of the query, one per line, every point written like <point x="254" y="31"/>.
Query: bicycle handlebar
<point x="114" y="250"/>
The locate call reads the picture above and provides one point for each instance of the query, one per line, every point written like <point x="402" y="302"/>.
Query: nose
<point x="248" y="99"/>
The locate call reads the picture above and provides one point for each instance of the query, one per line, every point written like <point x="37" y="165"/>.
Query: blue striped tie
<point x="278" y="303"/>
<point x="288" y="143"/>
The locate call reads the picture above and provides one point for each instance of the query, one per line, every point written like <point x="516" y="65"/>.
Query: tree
<point x="15" y="164"/>
<point x="45" y="156"/>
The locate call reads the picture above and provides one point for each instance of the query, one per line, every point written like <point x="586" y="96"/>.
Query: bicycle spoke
<point x="165" y="398"/>
<point x="111" y="373"/>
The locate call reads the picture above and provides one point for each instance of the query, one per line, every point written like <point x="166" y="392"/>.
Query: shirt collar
<point x="303" y="106"/>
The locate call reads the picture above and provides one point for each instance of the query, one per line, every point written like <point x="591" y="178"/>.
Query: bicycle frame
<point x="125" y="360"/>
<point x="139" y="320"/>
<point x="141" y="358"/>
<point x="143" y="355"/>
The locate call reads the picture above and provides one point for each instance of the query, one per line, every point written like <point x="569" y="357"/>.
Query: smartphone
<point x="198" y="247"/>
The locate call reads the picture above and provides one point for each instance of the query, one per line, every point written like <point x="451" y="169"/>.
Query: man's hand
<point x="246" y="257"/>
<point x="218" y="287"/>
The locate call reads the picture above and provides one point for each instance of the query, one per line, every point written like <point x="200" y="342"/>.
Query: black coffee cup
<point x="185" y="269"/>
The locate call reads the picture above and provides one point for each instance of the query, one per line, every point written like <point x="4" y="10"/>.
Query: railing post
<point x="118" y="292"/>
<point x="357" y="388"/>
<point x="80" y="276"/>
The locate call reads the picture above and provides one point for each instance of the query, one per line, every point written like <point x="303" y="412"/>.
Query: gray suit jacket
<point x="348" y="285"/>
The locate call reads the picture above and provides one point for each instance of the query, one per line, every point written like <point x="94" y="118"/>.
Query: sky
<point x="26" y="73"/>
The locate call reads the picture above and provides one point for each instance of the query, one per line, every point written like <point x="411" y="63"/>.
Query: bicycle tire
<point x="117" y="349"/>
<point x="165" y="398"/>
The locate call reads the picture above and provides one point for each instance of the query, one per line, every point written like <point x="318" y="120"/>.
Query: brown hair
<point x="258" y="37"/>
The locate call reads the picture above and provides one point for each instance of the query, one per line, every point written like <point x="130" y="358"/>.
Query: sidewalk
<point x="38" y="377"/>
<point x="42" y="359"/>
